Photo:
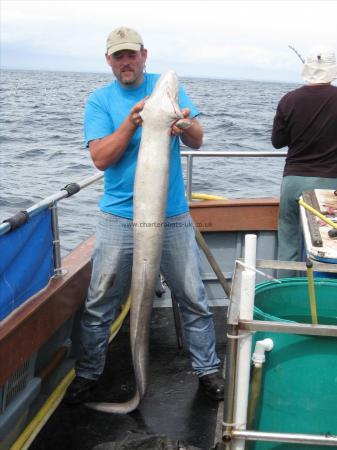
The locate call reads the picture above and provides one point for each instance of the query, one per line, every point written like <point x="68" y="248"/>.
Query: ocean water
<point x="41" y="142"/>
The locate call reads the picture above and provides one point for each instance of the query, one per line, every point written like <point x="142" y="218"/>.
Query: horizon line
<point x="180" y="76"/>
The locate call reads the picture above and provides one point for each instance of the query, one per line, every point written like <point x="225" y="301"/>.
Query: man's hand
<point x="181" y="125"/>
<point x="134" y="115"/>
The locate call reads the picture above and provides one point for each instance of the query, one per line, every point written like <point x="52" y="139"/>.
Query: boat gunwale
<point x="236" y="214"/>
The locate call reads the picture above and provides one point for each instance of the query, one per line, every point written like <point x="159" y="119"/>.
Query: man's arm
<point x="192" y="136"/>
<point x="279" y="137"/>
<point x="108" y="150"/>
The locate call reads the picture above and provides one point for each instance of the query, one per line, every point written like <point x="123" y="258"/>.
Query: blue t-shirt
<point x="105" y="111"/>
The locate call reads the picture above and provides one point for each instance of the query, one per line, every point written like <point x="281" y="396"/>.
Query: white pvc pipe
<point x="250" y="250"/>
<point x="245" y="341"/>
<point x="261" y="347"/>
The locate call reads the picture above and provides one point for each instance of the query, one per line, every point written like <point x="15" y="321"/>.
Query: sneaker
<point x="79" y="390"/>
<point x="213" y="386"/>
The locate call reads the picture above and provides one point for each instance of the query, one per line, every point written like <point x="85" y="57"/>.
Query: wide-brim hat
<point x="320" y="66"/>
<point x="123" y="38"/>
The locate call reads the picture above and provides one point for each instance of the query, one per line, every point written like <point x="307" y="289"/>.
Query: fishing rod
<point x="297" y="53"/>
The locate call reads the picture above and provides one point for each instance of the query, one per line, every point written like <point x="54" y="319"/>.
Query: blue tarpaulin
<point x="26" y="261"/>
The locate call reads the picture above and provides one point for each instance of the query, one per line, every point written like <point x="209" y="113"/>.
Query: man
<point x="112" y="133"/>
<point x="306" y="122"/>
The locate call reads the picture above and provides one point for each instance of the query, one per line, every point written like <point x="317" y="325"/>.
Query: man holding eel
<point x="113" y="132"/>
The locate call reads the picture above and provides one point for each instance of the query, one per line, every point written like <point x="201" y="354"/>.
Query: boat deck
<point x="173" y="405"/>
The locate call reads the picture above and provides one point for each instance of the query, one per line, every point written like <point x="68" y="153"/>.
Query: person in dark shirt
<point x="306" y="122"/>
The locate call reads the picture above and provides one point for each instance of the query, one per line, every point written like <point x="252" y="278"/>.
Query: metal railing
<point x="51" y="200"/>
<point x="52" y="203"/>
<point x="191" y="154"/>
<point x="73" y="188"/>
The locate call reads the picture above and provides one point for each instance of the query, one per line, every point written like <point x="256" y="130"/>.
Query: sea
<point x="41" y="142"/>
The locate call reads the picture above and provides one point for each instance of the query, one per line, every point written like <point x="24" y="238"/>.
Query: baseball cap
<point x="123" y="38"/>
<point x="320" y="65"/>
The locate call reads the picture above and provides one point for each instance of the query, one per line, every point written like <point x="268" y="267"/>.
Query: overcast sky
<point x="218" y="39"/>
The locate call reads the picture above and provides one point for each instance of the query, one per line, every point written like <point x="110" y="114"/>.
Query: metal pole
<point x="56" y="241"/>
<point x="294" y="265"/>
<point x="285" y="327"/>
<point x="189" y="168"/>
<point x="295" y="438"/>
<point x="49" y="201"/>
<point x="238" y="153"/>
<point x="230" y="370"/>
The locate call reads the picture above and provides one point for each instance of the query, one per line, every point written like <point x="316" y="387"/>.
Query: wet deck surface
<point x="173" y="405"/>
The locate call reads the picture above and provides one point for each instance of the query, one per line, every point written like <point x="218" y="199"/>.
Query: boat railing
<point x="191" y="154"/>
<point x="73" y="188"/>
<point x="51" y="202"/>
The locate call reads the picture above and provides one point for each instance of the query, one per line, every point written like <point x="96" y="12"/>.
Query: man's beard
<point x="130" y="78"/>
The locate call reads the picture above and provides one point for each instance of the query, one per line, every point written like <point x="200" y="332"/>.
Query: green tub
<point x="299" y="392"/>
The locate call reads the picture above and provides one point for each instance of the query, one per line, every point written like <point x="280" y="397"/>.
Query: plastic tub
<point x="299" y="388"/>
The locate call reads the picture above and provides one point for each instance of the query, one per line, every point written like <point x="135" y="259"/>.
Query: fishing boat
<point x="41" y="299"/>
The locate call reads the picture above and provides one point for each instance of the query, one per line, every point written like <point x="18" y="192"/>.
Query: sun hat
<point x="320" y="66"/>
<point x="123" y="38"/>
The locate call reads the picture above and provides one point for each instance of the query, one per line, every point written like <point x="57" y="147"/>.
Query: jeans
<point x="110" y="285"/>
<point x="289" y="217"/>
